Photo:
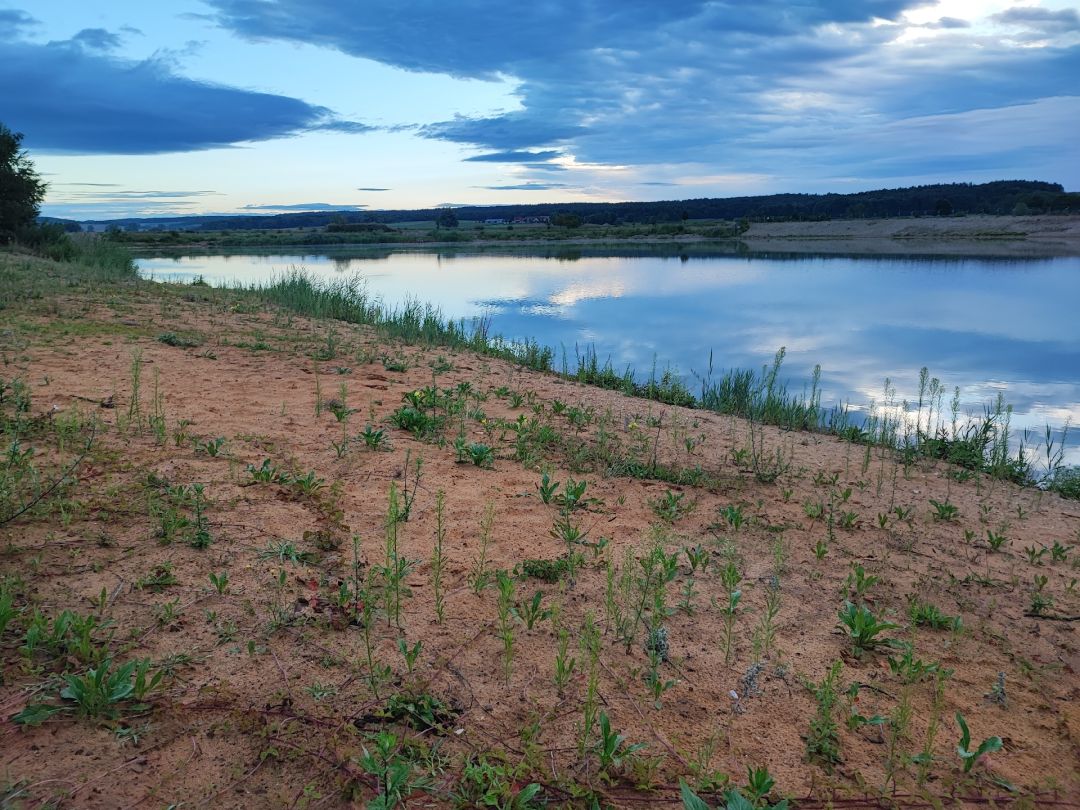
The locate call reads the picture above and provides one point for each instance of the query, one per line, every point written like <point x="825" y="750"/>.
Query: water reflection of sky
<point x="984" y="325"/>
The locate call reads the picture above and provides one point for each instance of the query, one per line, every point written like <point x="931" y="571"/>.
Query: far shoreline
<point x="973" y="236"/>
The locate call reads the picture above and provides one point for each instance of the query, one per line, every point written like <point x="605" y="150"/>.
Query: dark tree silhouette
<point x="21" y="189"/>
<point x="447" y="219"/>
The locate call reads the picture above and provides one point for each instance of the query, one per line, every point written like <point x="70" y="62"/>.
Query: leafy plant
<point x="396" y="775"/>
<point x="550" y="571"/>
<point x="548" y="488"/>
<point x="969" y="757"/>
<point x="99" y="692"/>
<point x="860" y="582"/>
<point x="159" y="578"/>
<point x="611" y="749"/>
<point x="308" y="484"/>
<point x="863" y="628"/>
<point x="670" y="507"/>
<point x="944" y="511"/>
<point x="212" y="447"/>
<point x="410" y="654"/>
<point x="911" y="669"/>
<point x="486" y="784"/>
<point x="374" y="438"/>
<point x="996" y="540"/>
<point x="267" y="473"/>
<point x="476" y="453"/>
<point x="823" y="740"/>
<point x="924" y="614"/>
<point x="286" y="551"/>
<point x="531" y="612"/>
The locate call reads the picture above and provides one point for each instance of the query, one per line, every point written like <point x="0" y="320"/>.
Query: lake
<point x="985" y="325"/>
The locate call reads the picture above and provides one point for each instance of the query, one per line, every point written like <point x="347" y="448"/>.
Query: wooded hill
<point x="998" y="197"/>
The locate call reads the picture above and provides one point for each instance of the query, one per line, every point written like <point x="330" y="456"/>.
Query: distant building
<point x="496" y="221"/>
<point x="541" y="220"/>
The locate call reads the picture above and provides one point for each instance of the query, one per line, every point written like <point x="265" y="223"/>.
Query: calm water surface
<point x="985" y="325"/>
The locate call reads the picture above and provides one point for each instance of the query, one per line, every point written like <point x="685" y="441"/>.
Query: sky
<point x="176" y="107"/>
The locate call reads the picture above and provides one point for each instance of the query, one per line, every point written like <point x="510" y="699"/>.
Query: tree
<point x="21" y="189"/>
<point x="566" y="220"/>
<point x="447" y="219"/>
<point x="943" y="208"/>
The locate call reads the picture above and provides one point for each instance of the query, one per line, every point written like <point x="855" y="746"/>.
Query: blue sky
<point x="201" y="106"/>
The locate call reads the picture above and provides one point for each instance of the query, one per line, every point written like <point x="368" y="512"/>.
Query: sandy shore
<point x="268" y="700"/>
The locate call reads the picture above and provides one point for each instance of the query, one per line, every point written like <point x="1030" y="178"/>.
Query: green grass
<point x="761" y="396"/>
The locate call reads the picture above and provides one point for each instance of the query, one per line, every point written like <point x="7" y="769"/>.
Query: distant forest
<point x="1000" y="197"/>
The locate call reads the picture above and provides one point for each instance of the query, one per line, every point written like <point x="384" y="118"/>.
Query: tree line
<point x="999" y="197"/>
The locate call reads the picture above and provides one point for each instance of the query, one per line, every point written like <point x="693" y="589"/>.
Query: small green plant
<point x="1040" y="599"/>
<point x="859" y="582"/>
<point x="395" y="773"/>
<point x="564" y="662"/>
<point x="179" y="341"/>
<point x="308" y="484"/>
<point x="99" y="692"/>
<point x="823" y="739"/>
<point x="734" y="517"/>
<point x="924" y="614"/>
<point x="531" y="612"/>
<point x="910" y="669"/>
<point x="996" y="540"/>
<point x="730" y="576"/>
<point x="821" y="548"/>
<point x="286" y="551"/>
<point x="550" y="571"/>
<point x="969" y="757"/>
<point x="997" y="693"/>
<point x="480" y="576"/>
<point x="220" y="582"/>
<point x="374" y="438"/>
<point x="505" y="606"/>
<point x="1060" y="552"/>
<point x="266" y="473"/>
<point x="211" y="447"/>
<point x="486" y="784"/>
<point x="159" y="578"/>
<point x="863" y="628"/>
<point x="944" y="511"/>
<point x="1035" y="554"/>
<point x="670" y="507"/>
<point x="752" y="796"/>
<point x="410" y="654"/>
<point x="321" y="691"/>
<point x="765" y="632"/>
<point x="612" y="750"/>
<point x="475" y="453"/>
<point x="548" y="488"/>
<point x="698" y="558"/>
<point x="438" y="558"/>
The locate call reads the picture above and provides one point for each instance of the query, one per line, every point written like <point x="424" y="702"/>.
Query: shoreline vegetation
<point x="981" y="443"/>
<point x="972" y="235"/>
<point x="282" y="545"/>
<point x="923" y="427"/>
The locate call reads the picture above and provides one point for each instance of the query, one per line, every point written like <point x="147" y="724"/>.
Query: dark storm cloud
<point x="517" y="156"/>
<point x="96" y="39"/>
<point x="717" y="83"/>
<point x="1042" y="19"/>
<point x="71" y="98"/>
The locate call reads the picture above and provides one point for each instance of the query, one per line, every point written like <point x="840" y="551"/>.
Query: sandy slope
<point x="238" y="724"/>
